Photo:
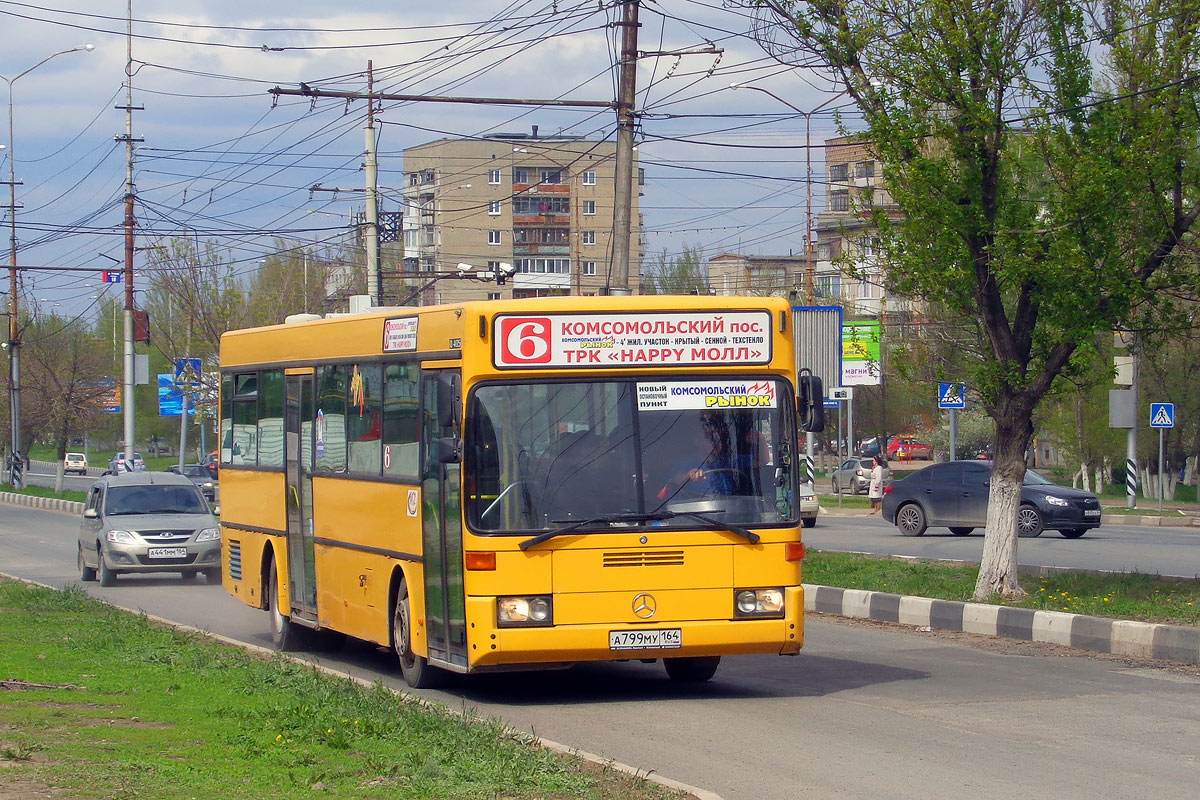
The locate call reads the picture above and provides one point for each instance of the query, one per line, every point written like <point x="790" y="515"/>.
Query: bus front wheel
<point x="415" y="669"/>
<point x="691" y="670"/>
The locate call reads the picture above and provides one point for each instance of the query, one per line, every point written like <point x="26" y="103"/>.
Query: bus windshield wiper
<point x="746" y="533"/>
<point x="603" y="518"/>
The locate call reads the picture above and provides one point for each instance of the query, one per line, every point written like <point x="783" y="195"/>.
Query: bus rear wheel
<point x="416" y="669"/>
<point x="691" y="670"/>
<point x="284" y="634"/>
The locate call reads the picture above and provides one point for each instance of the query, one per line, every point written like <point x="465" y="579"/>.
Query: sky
<point x="725" y="167"/>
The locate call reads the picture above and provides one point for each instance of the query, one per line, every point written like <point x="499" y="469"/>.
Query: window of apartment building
<point x="589" y="268"/>
<point x="493" y="176"/>
<point x="589" y="177"/>
<point x="823" y="251"/>
<point x="493" y="207"/>
<point x="839" y="200"/>
<point x="866" y="197"/>
<point x="520" y="175"/>
<point x="561" y="266"/>
<point x="829" y="286"/>
<point x="493" y="237"/>
<point x="493" y="295"/>
<point x="550" y="175"/>
<point x="589" y="208"/>
<point x="867" y="245"/>
<point x="589" y="237"/>
<point x="839" y="172"/>
<point x="541" y="236"/>
<point x="525" y="205"/>
<point x="864" y="169"/>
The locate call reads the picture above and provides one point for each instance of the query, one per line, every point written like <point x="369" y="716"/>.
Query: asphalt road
<point x="1122" y="548"/>
<point x="866" y="711"/>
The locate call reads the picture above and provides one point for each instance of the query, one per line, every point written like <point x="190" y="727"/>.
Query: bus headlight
<point x="758" y="602"/>
<point x="524" y="611"/>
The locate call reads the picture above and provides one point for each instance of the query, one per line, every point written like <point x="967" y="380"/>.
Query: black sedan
<point x="955" y="495"/>
<point x="198" y="474"/>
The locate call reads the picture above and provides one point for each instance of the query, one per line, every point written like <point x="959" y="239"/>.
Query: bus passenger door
<point x="441" y="522"/>
<point x="298" y="462"/>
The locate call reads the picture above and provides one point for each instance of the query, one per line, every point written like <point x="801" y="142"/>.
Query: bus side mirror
<point x="449" y="403"/>
<point x="810" y="402"/>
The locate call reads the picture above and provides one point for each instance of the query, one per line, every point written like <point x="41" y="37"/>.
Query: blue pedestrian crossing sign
<point x="1162" y="415"/>
<point x="952" y="395"/>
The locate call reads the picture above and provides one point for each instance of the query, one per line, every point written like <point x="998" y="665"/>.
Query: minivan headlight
<point x="758" y="602"/>
<point x="122" y="537"/>
<point x="524" y="611"/>
<point x="208" y="535"/>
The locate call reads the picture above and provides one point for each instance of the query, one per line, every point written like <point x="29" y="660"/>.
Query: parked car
<point x="907" y="448"/>
<point x="809" y="506"/>
<point x="955" y="495"/>
<point x="855" y="475"/>
<point x="147" y="522"/>
<point x="117" y="464"/>
<point x="869" y="447"/>
<point x="75" y="462"/>
<point x="198" y="474"/>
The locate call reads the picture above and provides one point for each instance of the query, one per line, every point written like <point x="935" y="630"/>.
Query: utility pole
<point x="371" y="168"/>
<point x="128" y="381"/>
<point x="626" y="122"/>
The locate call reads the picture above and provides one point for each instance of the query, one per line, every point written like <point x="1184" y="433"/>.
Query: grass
<point x="42" y="491"/>
<point x="137" y="710"/>
<point x="1133" y="596"/>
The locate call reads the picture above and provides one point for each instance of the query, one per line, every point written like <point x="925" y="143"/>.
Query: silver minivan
<point x="147" y="522"/>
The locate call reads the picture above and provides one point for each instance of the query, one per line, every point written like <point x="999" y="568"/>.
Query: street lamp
<point x="809" y="276"/>
<point x="14" y="361"/>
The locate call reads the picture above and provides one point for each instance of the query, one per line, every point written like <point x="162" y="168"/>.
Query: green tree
<point x="683" y="274"/>
<point x="1044" y="158"/>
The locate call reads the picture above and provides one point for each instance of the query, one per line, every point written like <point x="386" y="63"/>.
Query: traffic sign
<point x="841" y="393"/>
<point x="1162" y="415"/>
<point x="187" y="372"/>
<point x="112" y="276"/>
<point x="952" y="395"/>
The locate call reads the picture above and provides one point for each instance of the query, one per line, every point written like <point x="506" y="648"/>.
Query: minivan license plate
<point x="167" y="552"/>
<point x="657" y="639"/>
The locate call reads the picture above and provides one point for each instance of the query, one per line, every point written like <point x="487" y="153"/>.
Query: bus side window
<point x="401" y="456"/>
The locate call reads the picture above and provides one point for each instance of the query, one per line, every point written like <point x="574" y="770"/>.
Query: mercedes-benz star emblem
<point x="644" y="606"/>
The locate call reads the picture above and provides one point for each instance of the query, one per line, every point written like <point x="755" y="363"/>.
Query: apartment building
<point x="847" y="265"/>
<point x="543" y="204"/>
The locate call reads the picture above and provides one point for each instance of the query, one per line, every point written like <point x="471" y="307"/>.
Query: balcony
<point x="542" y="188"/>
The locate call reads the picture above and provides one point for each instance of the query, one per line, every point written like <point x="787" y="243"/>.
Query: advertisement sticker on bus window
<point x="413" y="502"/>
<point x="680" y="396"/>
<point x="654" y="338"/>
<point x="399" y="333"/>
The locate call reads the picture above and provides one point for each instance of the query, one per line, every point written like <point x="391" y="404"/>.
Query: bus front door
<point x="298" y="463"/>
<point x="441" y="522"/>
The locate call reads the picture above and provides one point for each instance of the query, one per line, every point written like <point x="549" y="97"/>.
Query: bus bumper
<point x="490" y="645"/>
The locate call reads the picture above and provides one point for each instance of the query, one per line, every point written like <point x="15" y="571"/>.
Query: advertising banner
<point x="860" y="354"/>
<point x="679" y="395"/>
<point x="665" y="338"/>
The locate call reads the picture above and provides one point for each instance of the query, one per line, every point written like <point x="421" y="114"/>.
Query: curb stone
<point x="44" y="503"/>
<point x="1178" y="643"/>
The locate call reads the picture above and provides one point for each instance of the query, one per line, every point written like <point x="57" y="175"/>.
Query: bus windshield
<point x="633" y="451"/>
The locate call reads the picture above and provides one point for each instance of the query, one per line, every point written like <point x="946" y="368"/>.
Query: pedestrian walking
<point x="875" y="489"/>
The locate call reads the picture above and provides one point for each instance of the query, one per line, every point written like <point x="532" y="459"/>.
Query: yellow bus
<point x="520" y="484"/>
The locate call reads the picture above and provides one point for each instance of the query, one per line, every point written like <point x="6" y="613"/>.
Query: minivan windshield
<point x="538" y="455"/>
<point x="151" y="499"/>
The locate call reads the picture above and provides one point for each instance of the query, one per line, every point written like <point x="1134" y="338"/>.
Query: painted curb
<point x="653" y="777"/>
<point x="1178" y="643"/>
<point x="43" y="503"/>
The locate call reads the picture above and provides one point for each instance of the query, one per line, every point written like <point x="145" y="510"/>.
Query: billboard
<point x="860" y="354"/>
<point x="170" y="399"/>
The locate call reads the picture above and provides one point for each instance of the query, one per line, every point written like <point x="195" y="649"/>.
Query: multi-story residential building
<point x="734" y="273"/>
<point x="847" y="267"/>
<point x="543" y="204"/>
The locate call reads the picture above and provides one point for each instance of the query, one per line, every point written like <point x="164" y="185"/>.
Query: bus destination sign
<point x="664" y="338"/>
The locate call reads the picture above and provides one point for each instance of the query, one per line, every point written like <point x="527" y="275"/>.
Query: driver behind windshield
<point x="721" y="462"/>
